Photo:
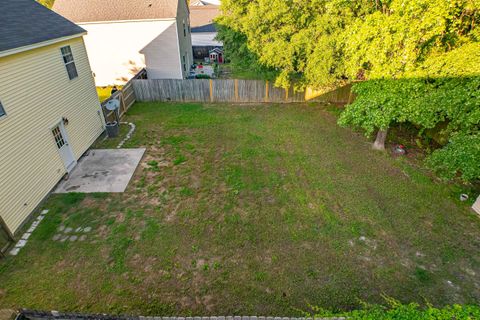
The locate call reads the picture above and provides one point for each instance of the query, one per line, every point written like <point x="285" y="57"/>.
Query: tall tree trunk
<point x="379" y="143"/>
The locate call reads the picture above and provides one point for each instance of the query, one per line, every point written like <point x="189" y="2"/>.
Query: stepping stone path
<point x="23" y="240"/>
<point x="71" y="234"/>
<point x="129" y="134"/>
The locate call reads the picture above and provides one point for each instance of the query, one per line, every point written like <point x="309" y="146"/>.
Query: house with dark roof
<point x="125" y="36"/>
<point x="49" y="108"/>
<point x="204" y="32"/>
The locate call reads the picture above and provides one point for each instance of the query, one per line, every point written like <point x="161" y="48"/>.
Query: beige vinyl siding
<point x="36" y="93"/>
<point x="161" y="56"/>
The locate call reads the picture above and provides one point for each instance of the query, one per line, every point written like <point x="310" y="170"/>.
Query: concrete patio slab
<point x="102" y="171"/>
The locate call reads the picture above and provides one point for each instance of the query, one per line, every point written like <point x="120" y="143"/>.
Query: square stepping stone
<point x="56" y="237"/>
<point x="73" y="238"/>
<point x="26" y="236"/>
<point x="87" y="229"/>
<point x="68" y="230"/>
<point x="21" y="243"/>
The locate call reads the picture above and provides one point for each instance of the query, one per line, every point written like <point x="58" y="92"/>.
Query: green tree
<point x="47" y="3"/>
<point x="421" y="58"/>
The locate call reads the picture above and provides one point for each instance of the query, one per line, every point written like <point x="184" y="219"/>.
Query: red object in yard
<point x="400" y="149"/>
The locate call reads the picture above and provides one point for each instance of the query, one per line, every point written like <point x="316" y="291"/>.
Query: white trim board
<point x="39" y="45"/>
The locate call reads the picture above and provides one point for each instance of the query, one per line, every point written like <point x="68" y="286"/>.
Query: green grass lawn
<point x="251" y="210"/>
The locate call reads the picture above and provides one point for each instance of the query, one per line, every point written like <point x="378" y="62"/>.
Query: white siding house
<point x="204" y="32"/>
<point x="125" y="36"/>
<point x="50" y="113"/>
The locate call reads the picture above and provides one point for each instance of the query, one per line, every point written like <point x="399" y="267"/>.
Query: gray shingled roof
<point x="26" y="22"/>
<point x="115" y="10"/>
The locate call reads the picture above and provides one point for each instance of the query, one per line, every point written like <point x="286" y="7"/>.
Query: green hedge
<point x="396" y="310"/>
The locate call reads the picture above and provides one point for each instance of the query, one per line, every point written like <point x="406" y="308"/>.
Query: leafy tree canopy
<point x="323" y="42"/>
<point x="421" y="59"/>
<point x="47" y="3"/>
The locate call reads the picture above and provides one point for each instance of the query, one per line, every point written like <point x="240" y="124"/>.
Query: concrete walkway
<point x="102" y="171"/>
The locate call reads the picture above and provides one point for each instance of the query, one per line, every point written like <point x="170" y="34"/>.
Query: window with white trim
<point x="57" y="134"/>
<point x="69" y="62"/>
<point x="2" y="110"/>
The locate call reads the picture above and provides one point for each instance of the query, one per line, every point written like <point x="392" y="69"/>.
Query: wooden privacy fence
<point x="224" y="90"/>
<point x="126" y="96"/>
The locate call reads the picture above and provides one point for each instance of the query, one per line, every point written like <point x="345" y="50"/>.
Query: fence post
<point x="286" y="94"/>
<point x="122" y="100"/>
<point x="236" y="90"/>
<point x="5" y="228"/>
<point x="267" y="98"/>
<point x="350" y="97"/>
<point x="211" y="90"/>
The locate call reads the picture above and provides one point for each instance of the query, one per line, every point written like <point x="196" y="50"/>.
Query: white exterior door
<point x="63" y="146"/>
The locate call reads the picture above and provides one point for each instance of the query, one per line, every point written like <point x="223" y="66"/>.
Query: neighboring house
<point x="202" y="17"/>
<point x="125" y="36"/>
<point x="49" y="109"/>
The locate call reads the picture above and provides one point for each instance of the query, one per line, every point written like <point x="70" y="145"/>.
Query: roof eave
<point x="40" y="44"/>
<point x="84" y="23"/>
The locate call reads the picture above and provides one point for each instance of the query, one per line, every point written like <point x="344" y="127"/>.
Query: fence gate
<point x="126" y="96"/>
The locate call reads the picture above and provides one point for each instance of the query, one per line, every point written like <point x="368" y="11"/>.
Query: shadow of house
<point x="158" y="54"/>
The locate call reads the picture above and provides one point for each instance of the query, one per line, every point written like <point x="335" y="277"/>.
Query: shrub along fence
<point x="226" y="90"/>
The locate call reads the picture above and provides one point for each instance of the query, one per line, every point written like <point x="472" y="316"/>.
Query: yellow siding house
<point x="49" y="109"/>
